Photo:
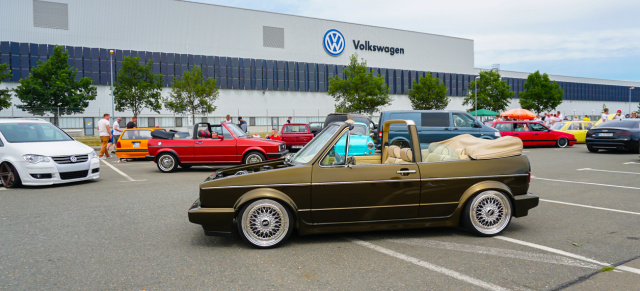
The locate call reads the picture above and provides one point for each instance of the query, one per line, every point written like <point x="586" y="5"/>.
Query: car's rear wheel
<point x="401" y="143"/>
<point x="488" y="213"/>
<point x="265" y="223"/>
<point x="562" y="142"/>
<point x="167" y="163"/>
<point x="9" y="176"/>
<point x="592" y="149"/>
<point x="254" y="157"/>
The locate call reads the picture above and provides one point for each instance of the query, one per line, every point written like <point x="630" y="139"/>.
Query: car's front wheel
<point x="592" y="149"/>
<point x="254" y="157"/>
<point x="487" y="213"/>
<point x="167" y="163"/>
<point x="265" y="223"/>
<point x="9" y="176"/>
<point x="562" y="142"/>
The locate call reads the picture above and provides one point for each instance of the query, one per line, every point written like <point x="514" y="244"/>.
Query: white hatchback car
<point x="36" y="152"/>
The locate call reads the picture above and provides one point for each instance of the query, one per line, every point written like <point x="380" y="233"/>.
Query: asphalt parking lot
<point x="129" y="230"/>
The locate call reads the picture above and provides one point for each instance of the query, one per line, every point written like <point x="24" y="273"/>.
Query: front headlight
<point x="497" y="134"/>
<point x="34" y="159"/>
<point x="370" y="146"/>
<point x="93" y="155"/>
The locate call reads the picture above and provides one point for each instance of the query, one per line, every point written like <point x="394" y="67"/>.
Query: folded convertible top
<point x="484" y="149"/>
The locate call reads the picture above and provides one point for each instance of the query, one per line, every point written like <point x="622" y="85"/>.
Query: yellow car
<point x="132" y="143"/>
<point x="577" y="128"/>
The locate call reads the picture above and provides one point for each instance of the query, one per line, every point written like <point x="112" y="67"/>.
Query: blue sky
<point x="586" y="38"/>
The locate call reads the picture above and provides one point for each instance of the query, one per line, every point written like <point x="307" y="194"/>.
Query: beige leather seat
<point x="406" y="155"/>
<point x="394" y="154"/>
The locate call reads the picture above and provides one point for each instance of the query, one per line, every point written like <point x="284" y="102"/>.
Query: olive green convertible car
<point x="463" y="181"/>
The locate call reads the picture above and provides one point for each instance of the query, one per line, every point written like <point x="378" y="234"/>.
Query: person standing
<point x="117" y="131"/>
<point x="228" y="120"/>
<point x="586" y="118"/>
<point x="604" y="117"/>
<point x="132" y="123"/>
<point x="274" y="135"/>
<point x="618" y="115"/>
<point x="560" y="116"/>
<point x="104" y="131"/>
<point x="243" y="124"/>
<point x="289" y="119"/>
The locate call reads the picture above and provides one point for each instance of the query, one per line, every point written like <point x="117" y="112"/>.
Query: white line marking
<point x="119" y="172"/>
<point x="427" y="265"/>
<point x="585" y="183"/>
<point x="596" y="170"/>
<point x="592" y="207"/>
<point x="631" y="163"/>
<point x="3" y="188"/>
<point x="560" y="252"/>
<point x="499" y="252"/>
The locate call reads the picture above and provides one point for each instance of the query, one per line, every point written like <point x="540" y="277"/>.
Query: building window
<point x="178" y="121"/>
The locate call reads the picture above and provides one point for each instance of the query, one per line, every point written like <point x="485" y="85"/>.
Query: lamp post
<point x="113" y="110"/>
<point x="476" y="91"/>
<point x="630" y="99"/>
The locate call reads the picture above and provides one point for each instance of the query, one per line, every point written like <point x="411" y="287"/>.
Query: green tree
<point x="137" y="87"/>
<point x="428" y="94"/>
<point x="360" y="90"/>
<point x="193" y="94"/>
<point x="540" y="94"/>
<point x="52" y="87"/>
<point x="493" y="93"/>
<point x="5" y="94"/>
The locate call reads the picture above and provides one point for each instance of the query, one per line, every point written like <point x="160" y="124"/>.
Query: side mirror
<point x="287" y="158"/>
<point x="221" y="137"/>
<point x="351" y="160"/>
<point x="477" y="125"/>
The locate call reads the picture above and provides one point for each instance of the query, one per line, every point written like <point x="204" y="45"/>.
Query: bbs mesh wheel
<point x="488" y="213"/>
<point x="265" y="223"/>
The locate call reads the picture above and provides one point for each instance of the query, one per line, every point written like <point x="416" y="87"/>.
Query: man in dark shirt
<point x="289" y="119"/>
<point x="132" y="123"/>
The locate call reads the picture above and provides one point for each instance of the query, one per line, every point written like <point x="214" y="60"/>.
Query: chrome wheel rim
<point x="166" y="163"/>
<point x="490" y="212"/>
<point x="265" y="223"/>
<point x="7" y="175"/>
<point x="254" y="158"/>
<point x="562" y="142"/>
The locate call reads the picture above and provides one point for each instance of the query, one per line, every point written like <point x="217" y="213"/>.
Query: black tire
<point x="592" y="149"/>
<point x="265" y="223"/>
<point x="185" y="166"/>
<point x="488" y="213"/>
<point x="253" y="157"/>
<point x="562" y="142"/>
<point x="167" y="163"/>
<point x="401" y="143"/>
<point x="9" y="175"/>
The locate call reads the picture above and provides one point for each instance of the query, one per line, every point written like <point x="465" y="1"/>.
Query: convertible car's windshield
<point x="315" y="145"/>
<point x="359" y="129"/>
<point x="239" y="133"/>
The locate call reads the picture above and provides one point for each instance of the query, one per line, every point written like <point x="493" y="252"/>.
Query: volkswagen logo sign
<point x="73" y="159"/>
<point x="333" y="42"/>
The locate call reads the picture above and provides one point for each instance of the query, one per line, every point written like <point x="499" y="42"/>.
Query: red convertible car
<point x="533" y="133"/>
<point x="210" y="144"/>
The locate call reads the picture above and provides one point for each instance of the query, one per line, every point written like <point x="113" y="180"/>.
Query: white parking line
<point x="498" y="252"/>
<point x="608" y="171"/>
<point x="585" y="183"/>
<point x="592" y="207"/>
<point x="560" y="252"/>
<point x="119" y="172"/>
<point x="427" y="265"/>
<point x="631" y="163"/>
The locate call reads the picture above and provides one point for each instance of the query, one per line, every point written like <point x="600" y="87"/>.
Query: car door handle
<point x="199" y="142"/>
<point x="405" y="172"/>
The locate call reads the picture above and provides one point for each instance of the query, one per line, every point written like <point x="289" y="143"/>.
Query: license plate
<point x="136" y="145"/>
<point x="605" y="134"/>
<point x="296" y="147"/>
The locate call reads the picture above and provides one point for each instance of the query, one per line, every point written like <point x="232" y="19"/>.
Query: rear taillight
<point x="380" y="135"/>
<point x="623" y="133"/>
<point x="118" y="144"/>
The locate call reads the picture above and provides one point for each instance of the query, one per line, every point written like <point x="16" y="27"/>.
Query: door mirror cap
<point x="221" y="137"/>
<point x="351" y="160"/>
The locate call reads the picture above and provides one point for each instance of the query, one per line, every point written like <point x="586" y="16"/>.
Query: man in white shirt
<point x="116" y="132"/>
<point x="104" y="131"/>
<point x="618" y="115"/>
<point x="603" y="117"/>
